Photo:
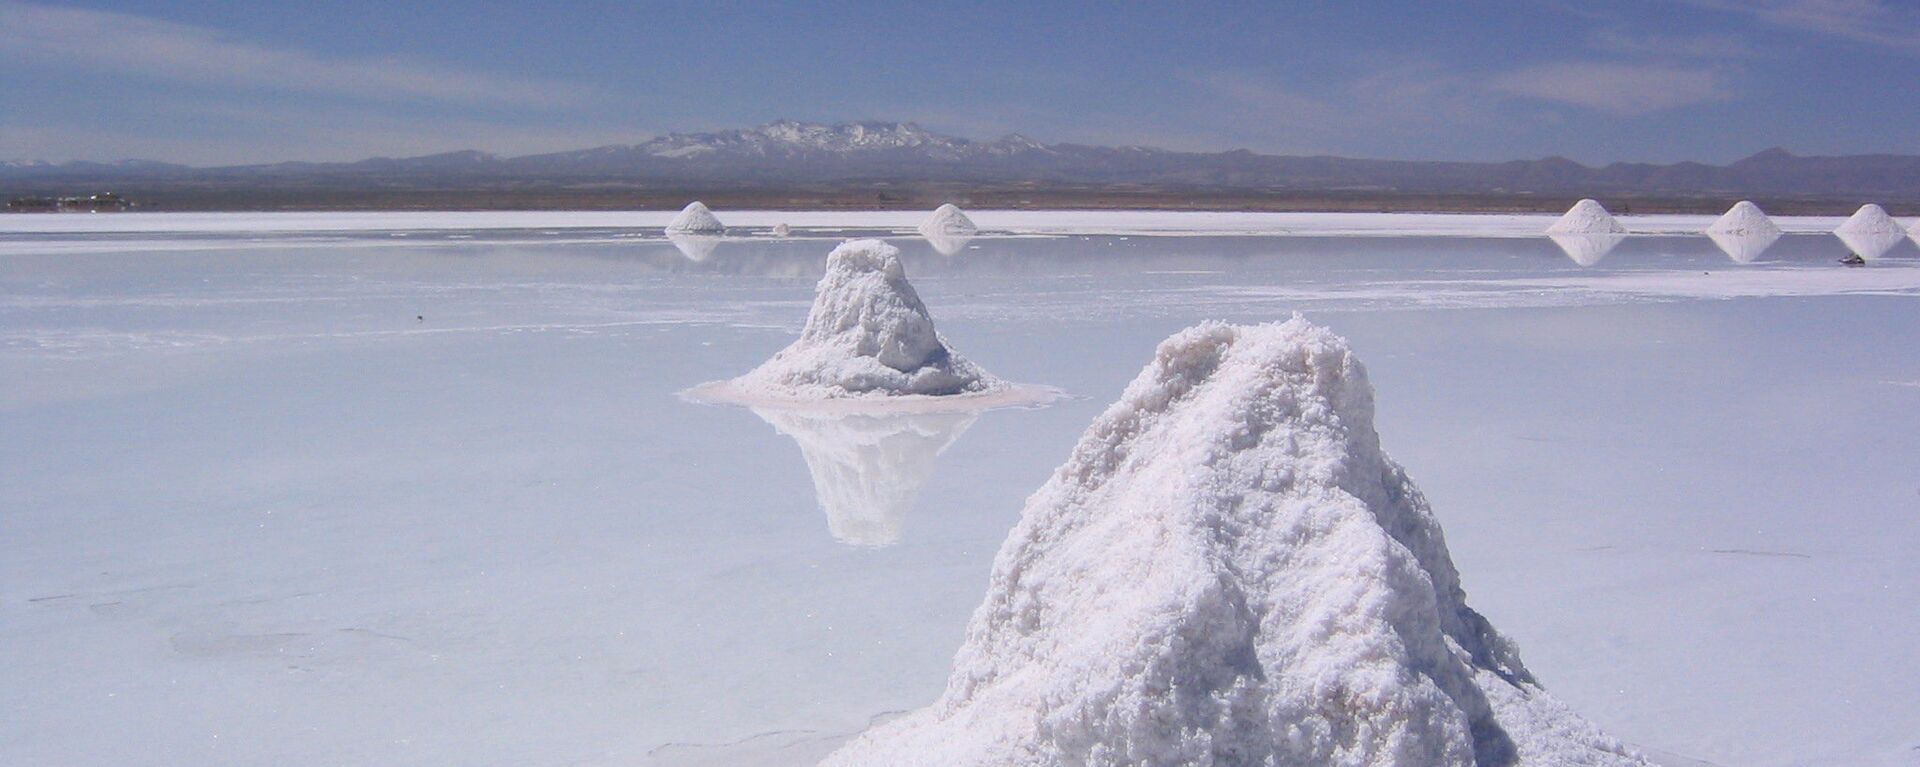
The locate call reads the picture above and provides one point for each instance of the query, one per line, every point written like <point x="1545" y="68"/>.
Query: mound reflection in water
<point x="868" y="467"/>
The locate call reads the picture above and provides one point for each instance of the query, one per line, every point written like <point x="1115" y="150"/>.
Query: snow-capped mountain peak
<point x="790" y="138"/>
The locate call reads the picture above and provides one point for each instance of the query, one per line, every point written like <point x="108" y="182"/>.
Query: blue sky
<point x="232" y="82"/>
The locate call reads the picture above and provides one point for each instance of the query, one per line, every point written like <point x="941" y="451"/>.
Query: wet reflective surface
<point x="326" y="497"/>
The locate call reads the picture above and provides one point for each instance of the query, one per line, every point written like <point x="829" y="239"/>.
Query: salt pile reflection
<point x="868" y="467"/>
<point x="1587" y="249"/>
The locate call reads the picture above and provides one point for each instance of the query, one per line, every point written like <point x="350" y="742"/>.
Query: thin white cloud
<point x="1655" y="46"/>
<point x="1626" y="89"/>
<point x="1890" y="25"/>
<point x="124" y="45"/>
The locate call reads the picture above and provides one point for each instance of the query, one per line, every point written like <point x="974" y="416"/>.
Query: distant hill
<point x="801" y="155"/>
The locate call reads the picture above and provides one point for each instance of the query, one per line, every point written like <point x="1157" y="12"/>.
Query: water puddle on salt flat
<point x="477" y="445"/>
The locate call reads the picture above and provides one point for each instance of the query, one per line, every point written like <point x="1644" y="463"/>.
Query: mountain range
<point x="796" y="154"/>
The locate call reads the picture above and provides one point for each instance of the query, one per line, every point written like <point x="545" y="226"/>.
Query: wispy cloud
<point x="1626" y="89"/>
<point x="136" y="46"/>
<point x="1654" y="46"/>
<point x="1891" y="25"/>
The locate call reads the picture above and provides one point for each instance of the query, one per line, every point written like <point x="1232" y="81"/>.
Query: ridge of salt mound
<point x="1229" y="571"/>
<point x="1587" y="217"/>
<point x="696" y="219"/>
<point x="868" y="335"/>
<point x="948" y="221"/>
<point x="1870" y="232"/>
<point x="1744" y="232"/>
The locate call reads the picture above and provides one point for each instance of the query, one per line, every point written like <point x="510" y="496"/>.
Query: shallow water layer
<point x="351" y="497"/>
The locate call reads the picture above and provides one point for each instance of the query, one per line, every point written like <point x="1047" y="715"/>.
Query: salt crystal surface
<point x="1587" y="217"/>
<point x="696" y="219"/>
<point x="1229" y="571"/>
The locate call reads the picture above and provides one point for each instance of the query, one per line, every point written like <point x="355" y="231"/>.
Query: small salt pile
<point x="868" y="335"/>
<point x="948" y="220"/>
<point x="948" y="230"/>
<point x="1587" y="217"/>
<point x="1870" y="232"/>
<point x="1744" y="232"/>
<point x="696" y="219"/>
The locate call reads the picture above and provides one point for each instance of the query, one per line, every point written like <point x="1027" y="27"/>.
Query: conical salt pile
<point x="1744" y="232"/>
<point x="696" y="219"/>
<point x="948" y="221"/>
<point x="1745" y="219"/>
<point x="867" y="335"/>
<point x="1587" y="217"/>
<point x="1228" y="571"/>
<point x="1870" y="232"/>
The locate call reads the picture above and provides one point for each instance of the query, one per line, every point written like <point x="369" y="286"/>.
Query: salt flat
<point x="297" y="489"/>
<point x="1111" y="222"/>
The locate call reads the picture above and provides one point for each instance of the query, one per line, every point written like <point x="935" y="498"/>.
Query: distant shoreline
<point x="175" y="199"/>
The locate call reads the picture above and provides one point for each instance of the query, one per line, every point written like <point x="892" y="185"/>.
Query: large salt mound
<point x="1744" y="232"/>
<point x="1228" y="571"/>
<point x="696" y="219"/>
<point x="1587" y="217"/>
<point x="868" y="335"/>
<point x="948" y="221"/>
<point x="1870" y="232"/>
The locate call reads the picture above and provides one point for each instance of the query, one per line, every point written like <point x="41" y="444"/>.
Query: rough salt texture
<point x="948" y="221"/>
<point x="1587" y="217"/>
<point x="1870" y="232"/>
<point x="868" y="335"/>
<point x="1228" y="571"/>
<point x="696" y="219"/>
